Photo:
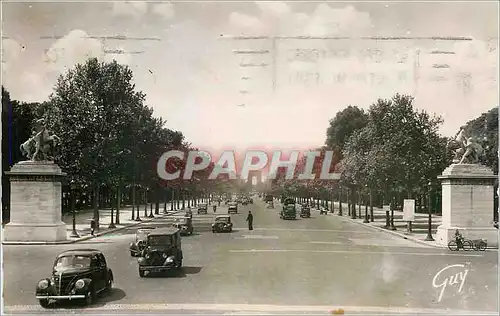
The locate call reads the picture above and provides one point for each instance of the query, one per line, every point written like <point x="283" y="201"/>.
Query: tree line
<point x="391" y="151"/>
<point x="110" y="140"/>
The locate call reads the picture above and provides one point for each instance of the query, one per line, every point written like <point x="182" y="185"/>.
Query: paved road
<point x="315" y="263"/>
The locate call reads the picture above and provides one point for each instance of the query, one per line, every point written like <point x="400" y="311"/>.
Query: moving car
<point x="202" y="208"/>
<point x="268" y="198"/>
<point x="270" y="205"/>
<point x="233" y="208"/>
<point x="185" y="224"/>
<point x="289" y="210"/>
<point x="139" y="244"/>
<point x="305" y="211"/>
<point x="163" y="251"/>
<point x="222" y="224"/>
<point x="78" y="274"/>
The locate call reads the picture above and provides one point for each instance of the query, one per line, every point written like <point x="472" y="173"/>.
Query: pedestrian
<point x="250" y="220"/>
<point x="92" y="226"/>
<point x="215" y="208"/>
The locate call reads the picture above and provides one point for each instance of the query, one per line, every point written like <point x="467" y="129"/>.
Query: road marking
<point x="260" y="308"/>
<point x="326" y="242"/>
<point x="310" y="230"/>
<point x="256" y="237"/>
<point x="354" y="252"/>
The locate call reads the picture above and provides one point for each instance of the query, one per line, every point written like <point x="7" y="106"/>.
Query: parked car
<point x="232" y="208"/>
<point x="78" y="274"/>
<point x="163" y="251"/>
<point x="139" y="244"/>
<point x="202" y="208"/>
<point x="185" y="224"/>
<point x="222" y="224"/>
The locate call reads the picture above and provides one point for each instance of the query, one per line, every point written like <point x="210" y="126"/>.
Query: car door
<point x="98" y="272"/>
<point x="104" y="267"/>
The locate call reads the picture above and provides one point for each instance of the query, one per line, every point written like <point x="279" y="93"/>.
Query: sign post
<point x="409" y="213"/>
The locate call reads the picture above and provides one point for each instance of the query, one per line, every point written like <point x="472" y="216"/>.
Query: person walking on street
<point x="250" y="220"/>
<point x="215" y="208"/>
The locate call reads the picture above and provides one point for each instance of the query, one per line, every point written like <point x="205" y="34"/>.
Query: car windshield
<point x="72" y="262"/>
<point x="181" y="220"/>
<point x="165" y="240"/>
<point x="222" y="219"/>
<point x="142" y="235"/>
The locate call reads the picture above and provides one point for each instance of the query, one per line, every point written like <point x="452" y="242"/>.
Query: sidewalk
<point x="82" y="220"/>
<point x="419" y="225"/>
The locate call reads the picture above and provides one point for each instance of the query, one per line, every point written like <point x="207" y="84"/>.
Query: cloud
<point x="134" y="9"/>
<point x="166" y="10"/>
<point x="73" y="48"/>
<point x="278" y="18"/>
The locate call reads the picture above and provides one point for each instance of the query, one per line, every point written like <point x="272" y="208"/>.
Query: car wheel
<point x="179" y="264"/>
<point x="44" y="303"/>
<point x="89" y="297"/>
<point x="141" y="273"/>
<point x="109" y="285"/>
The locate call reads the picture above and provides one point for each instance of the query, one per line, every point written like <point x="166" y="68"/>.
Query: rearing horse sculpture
<point x="467" y="149"/>
<point x="40" y="146"/>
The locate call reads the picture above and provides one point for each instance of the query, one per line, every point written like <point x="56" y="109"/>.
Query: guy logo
<point x="442" y="279"/>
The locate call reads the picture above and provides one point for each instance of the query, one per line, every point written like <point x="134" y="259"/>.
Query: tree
<point x="343" y="125"/>
<point x="399" y="150"/>
<point x="90" y="106"/>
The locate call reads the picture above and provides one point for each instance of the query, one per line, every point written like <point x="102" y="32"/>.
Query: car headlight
<point x="147" y="256"/>
<point x="165" y="255"/>
<point x="79" y="284"/>
<point x="43" y="284"/>
<point x="170" y="259"/>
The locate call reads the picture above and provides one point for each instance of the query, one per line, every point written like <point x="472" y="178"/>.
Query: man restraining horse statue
<point x="40" y="146"/>
<point x="467" y="149"/>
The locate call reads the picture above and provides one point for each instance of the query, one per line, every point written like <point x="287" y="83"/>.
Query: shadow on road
<point x="101" y="300"/>
<point x="176" y="273"/>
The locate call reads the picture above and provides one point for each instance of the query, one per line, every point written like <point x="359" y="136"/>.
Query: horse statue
<point x="467" y="149"/>
<point x="41" y="145"/>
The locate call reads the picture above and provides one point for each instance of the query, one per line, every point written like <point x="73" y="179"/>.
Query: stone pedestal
<point x="467" y="203"/>
<point x="35" y="213"/>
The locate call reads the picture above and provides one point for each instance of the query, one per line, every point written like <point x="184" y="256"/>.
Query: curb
<point x="68" y="242"/>
<point x="402" y="235"/>
<point x="407" y="237"/>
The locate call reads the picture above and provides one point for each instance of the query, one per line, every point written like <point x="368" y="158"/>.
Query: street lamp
<point x="150" y="208"/>
<point x="111" y="224"/>
<point x="340" y="200"/>
<point x="392" y="211"/>
<point x="429" y="227"/>
<point x="138" y="218"/>
<point x="72" y="185"/>
<point x="366" y="208"/>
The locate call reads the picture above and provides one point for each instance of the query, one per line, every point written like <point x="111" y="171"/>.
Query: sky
<point x="205" y="84"/>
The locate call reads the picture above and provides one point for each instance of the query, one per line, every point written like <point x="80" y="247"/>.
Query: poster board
<point x="409" y="210"/>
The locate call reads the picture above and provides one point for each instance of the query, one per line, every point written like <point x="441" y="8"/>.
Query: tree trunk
<point x="96" y="205"/>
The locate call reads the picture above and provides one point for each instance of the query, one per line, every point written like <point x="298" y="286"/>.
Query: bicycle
<point x="456" y="244"/>
<point x="480" y="244"/>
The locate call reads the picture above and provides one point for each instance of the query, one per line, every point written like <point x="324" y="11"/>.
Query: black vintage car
<point x="202" y="208"/>
<point x="222" y="224"/>
<point x="163" y="251"/>
<point x="185" y="224"/>
<point x="305" y="211"/>
<point x="232" y="208"/>
<point x="139" y="244"/>
<point x="78" y="274"/>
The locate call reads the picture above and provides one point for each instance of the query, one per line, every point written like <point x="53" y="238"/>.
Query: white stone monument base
<point x="35" y="232"/>
<point x="35" y="212"/>
<point x="445" y="234"/>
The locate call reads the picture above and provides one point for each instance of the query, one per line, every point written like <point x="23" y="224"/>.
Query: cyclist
<point x="459" y="238"/>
